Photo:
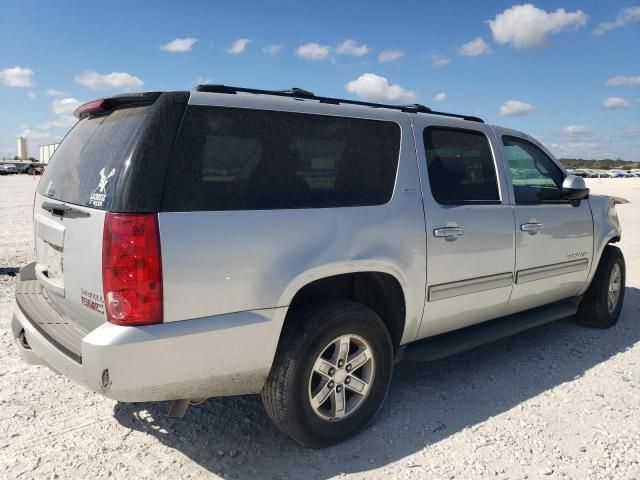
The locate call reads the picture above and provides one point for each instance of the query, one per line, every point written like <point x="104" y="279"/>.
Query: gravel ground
<point x="560" y="401"/>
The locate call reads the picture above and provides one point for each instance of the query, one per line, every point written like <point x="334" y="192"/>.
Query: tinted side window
<point x="242" y="159"/>
<point x="460" y="166"/>
<point x="534" y="176"/>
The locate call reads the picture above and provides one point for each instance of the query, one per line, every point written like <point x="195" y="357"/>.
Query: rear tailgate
<point x="102" y="165"/>
<point x="69" y="260"/>
<point x="69" y="211"/>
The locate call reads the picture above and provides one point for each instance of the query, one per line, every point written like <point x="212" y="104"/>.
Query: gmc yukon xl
<point x="231" y="241"/>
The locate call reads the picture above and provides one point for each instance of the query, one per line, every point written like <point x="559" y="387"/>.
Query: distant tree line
<point x="606" y="164"/>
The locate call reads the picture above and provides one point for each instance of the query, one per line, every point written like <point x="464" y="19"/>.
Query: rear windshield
<point x="85" y="168"/>
<point x="241" y="159"/>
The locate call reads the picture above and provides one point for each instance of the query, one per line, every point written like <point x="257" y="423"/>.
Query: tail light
<point x="131" y="269"/>
<point x="96" y="106"/>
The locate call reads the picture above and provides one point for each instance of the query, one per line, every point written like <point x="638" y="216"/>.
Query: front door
<point x="554" y="239"/>
<point x="470" y="229"/>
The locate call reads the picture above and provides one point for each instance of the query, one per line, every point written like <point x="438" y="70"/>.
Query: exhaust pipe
<point x="178" y="408"/>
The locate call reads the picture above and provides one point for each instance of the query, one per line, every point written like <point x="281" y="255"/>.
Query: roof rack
<point x="301" y="93"/>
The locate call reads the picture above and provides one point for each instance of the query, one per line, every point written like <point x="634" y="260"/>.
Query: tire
<point x="595" y="309"/>
<point x="292" y="381"/>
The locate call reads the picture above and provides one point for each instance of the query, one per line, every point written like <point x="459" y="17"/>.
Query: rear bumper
<point x="213" y="356"/>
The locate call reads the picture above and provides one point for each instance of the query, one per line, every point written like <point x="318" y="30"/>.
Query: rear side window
<point x="460" y="166"/>
<point x="85" y="168"/>
<point x="535" y="178"/>
<point x="242" y="159"/>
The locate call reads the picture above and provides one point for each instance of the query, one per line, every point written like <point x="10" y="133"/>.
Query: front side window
<point x="460" y="166"/>
<point x="243" y="159"/>
<point x="535" y="177"/>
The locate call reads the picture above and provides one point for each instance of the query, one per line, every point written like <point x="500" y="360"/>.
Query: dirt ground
<point x="560" y="401"/>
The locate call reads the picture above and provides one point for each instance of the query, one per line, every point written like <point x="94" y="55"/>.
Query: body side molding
<point x="472" y="285"/>
<point x="539" y="273"/>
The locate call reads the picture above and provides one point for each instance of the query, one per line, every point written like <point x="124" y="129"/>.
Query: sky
<point x="567" y="73"/>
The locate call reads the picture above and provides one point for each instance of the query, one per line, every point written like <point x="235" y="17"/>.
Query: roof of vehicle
<point x="299" y="93"/>
<point x="280" y="98"/>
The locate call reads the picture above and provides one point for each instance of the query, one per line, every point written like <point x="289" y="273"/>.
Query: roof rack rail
<point x="298" y="92"/>
<point x="301" y="93"/>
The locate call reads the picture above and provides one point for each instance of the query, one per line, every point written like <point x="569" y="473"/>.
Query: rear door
<point x="470" y="229"/>
<point x="554" y="238"/>
<point x="77" y="187"/>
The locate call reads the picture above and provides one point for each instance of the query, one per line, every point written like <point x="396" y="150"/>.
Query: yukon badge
<point x="99" y="195"/>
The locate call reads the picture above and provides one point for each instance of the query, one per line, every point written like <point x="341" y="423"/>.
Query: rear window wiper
<point x="62" y="209"/>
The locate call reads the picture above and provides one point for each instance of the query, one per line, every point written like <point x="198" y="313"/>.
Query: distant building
<point x="22" y="148"/>
<point x="46" y="151"/>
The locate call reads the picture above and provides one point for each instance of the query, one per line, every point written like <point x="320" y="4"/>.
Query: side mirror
<point x="574" y="188"/>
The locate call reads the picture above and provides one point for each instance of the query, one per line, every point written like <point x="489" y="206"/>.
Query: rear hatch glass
<point x="88" y="164"/>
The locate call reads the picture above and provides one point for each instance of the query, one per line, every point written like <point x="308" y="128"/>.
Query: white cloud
<point x="615" y="103"/>
<point x="65" y="106"/>
<point x="576" y="130"/>
<point x="632" y="131"/>
<point x="54" y="93"/>
<point x="440" y="97"/>
<point x="179" y="45"/>
<point x="32" y="95"/>
<point x="203" y="81"/>
<point x="622" y="81"/>
<point x="526" y="26"/>
<point x="390" y="55"/>
<point x="439" y="61"/>
<point x="313" y="51"/>
<point x="624" y="17"/>
<point x="16" y="77"/>
<point x="350" y="47"/>
<point x="475" y="47"/>
<point x="239" y="46"/>
<point x="376" y="88"/>
<point x="515" y="107"/>
<point x="64" y="121"/>
<point x="120" y="80"/>
<point x="272" y="49"/>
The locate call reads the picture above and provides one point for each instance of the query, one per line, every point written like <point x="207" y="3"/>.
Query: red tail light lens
<point x="132" y="269"/>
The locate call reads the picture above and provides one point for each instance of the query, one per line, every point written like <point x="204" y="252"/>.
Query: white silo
<point x="22" y="148"/>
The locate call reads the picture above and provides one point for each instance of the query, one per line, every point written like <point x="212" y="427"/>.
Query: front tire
<point x="331" y="373"/>
<point x="602" y="303"/>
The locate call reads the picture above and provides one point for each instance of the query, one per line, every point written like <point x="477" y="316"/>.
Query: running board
<point x="450" y="343"/>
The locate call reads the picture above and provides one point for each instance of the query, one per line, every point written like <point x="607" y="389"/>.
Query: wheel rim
<point x="341" y="377"/>
<point x="613" y="294"/>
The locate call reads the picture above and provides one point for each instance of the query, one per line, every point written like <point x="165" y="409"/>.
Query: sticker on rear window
<point x="99" y="195"/>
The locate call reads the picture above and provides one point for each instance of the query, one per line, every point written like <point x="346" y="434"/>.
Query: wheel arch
<point x="379" y="289"/>
<point x="606" y="230"/>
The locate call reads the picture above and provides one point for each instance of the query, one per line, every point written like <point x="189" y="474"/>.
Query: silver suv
<point x="232" y="241"/>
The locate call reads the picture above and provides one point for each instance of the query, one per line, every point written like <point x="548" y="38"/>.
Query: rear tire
<point x="310" y="393"/>
<point x="602" y="303"/>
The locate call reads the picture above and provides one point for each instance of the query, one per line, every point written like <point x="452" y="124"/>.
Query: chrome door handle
<point x="532" y="226"/>
<point x="449" y="233"/>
